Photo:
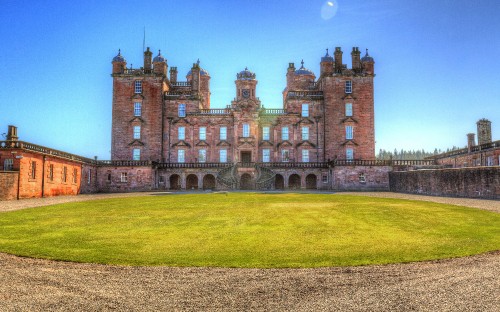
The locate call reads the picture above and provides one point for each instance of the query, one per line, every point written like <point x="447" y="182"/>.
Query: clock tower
<point x="245" y="85"/>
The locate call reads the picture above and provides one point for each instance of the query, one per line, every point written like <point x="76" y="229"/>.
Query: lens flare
<point x="329" y="9"/>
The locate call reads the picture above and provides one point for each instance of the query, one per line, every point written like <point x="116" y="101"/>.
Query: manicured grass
<point x="249" y="230"/>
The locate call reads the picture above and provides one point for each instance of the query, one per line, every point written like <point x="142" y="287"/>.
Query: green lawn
<point x="249" y="230"/>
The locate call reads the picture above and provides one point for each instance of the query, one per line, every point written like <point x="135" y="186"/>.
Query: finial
<point x="119" y="52"/>
<point x="246" y="68"/>
<point x="198" y="62"/>
<point x="159" y="52"/>
<point x="302" y="63"/>
<point x="327" y="52"/>
<point x="130" y="65"/>
<point x="367" y="52"/>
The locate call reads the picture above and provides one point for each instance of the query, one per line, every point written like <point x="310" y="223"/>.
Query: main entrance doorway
<point x="246" y="156"/>
<point x="246" y="182"/>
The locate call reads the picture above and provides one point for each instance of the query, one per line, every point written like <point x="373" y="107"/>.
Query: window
<point x="223" y="156"/>
<point x="489" y="161"/>
<point x="182" y="110"/>
<point x="89" y="176"/>
<point x="348" y="133"/>
<point x="180" y="155"/>
<point x="136" y="154"/>
<point x="246" y="130"/>
<point x="137" y="109"/>
<point x="223" y="133"/>
<point x="203" y="133"/>
<point x="285" y="155"/>
<point x="362" y="178"/>
<point x="305" y="155"/>
<point x="109" y="176"/>
<point x="348" y="86"/>
<point x="181" y="132"/>
<point x="51" y="172"/>
<point x="138" y="86"/>
<point x="8" y="164"/>
<point x="284" y="133"/>
<point x="64" y="174"/>
<point x="123" y="177"/>
<point x="349" y="154"/>
<point x="305" y="133"/>
<point x="324" y="178"/>
<point x="33" y="170"/>
<point x="75" y="175"/>
<point x="305" y="110"/>
<point x="202" y="155"/>
<point x="348" y="109"/>
<point x="137" y="132"/>
<point x="265" y="133"/>
<point x="266" y="155"/>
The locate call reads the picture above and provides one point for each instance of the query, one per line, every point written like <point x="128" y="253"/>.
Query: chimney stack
<point x="12" y="133"/>
<point x="173" y="75"/>
<point x="338" y="59"/>
<point x="471" y="141"/>
<point x="147" y="59"/>
<point x="356" y="59"/>
<point x="483" y="131"/>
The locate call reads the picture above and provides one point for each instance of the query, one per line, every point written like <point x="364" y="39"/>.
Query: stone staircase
<point x="265" y="178"/>
<point x="229" y="176"/>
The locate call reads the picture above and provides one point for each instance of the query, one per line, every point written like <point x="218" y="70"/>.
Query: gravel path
<point x="462" y="284"/>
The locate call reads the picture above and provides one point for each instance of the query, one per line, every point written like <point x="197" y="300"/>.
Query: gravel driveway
<point x="462" y="284"/>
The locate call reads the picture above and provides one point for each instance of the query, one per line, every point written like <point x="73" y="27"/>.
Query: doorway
<point x="246" y="157"/>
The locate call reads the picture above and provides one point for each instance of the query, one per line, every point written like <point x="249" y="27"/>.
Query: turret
<point x="147" y="59"/>
<point x="338" y="59"/>
<point x="160" y="64"/>
<point x="119" y="63"/>
<point x="356" y="61"/>
<point x="326" y="65"/>
<point x="367" y="63"/>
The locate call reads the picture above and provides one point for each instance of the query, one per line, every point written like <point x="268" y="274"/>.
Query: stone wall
<point x="8" y="185"/>
<point x="125" y="179"/>
<point x="361" y="178"/>
<point x="479" y="182"/>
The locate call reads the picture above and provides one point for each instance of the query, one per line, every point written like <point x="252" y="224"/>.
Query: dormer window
<point x="138" y="86"/>
<point x="348" y="86"/>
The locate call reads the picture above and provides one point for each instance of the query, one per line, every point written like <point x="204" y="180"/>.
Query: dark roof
<point x="245" y="75"/>
<point x="119" y="57"/>
<point x="303" y="71"/>
<point x="367" y="58"/>
<point x="159" y="57"/>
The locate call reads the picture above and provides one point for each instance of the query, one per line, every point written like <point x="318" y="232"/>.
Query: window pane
<point x="246" y="130"/>
<point x="223" y="133"/>
<point x="137" y="132"/>
<point x="266" y="155"/>
<point x="223" y="156"/>
<point x="136" y="154"/>
<point x="182" y="110"/>
<point x="348" y="109"/>
<point x="180" y="156"/>
<point x="305" y="133"/>
<point x="138" y="86"/>
<point x="203" y="133"/>
<point x="284" y="133"/>
<point x="305" y="110"/>
<point x="265" y="133"/>
<point x="348" y="133"/>
<point x="349" y="154"/>
<point x="182" y="133"/>
<point x="305" y="155"/>
<point x="202" y="155"/>
<point x="285" y="155"/>
<point x="137" y="109"/>
<point x="348" y="86"/>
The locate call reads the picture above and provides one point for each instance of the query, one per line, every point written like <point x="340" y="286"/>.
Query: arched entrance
<point x="279" y="182"/>
<point x="175" y="182"/>
<point x="294" y="182"/>
<point x="192" y="182"/>
<point x="209" y="182"/>
<point x="246" y="182"/>
<point x="311" y="182"/>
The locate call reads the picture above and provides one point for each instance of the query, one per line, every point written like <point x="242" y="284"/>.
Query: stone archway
<point x="294" y="182"/>
<point x="175" y="182"/>
<point x="209" y="182"/>
<point x="246" y="182"/>
<point x="311" y="182"/>
<point x="191" y="182"/>
<point x="279" y="182"/>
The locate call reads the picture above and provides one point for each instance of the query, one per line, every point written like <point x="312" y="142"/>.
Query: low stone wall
<point x="361" y="178"/>
<point x="8" y="185"/>
<point x="478" y="182"/>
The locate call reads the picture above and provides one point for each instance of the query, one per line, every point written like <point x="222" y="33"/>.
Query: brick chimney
<point x="471" y="141"/>
<point x="338" y="59"/>
<point x="147" y="59"/>
<point x="356" y="59"/>
<point x="12" y="133"/>
<point x="195" y="78"/>
<point x="173" y="75"/>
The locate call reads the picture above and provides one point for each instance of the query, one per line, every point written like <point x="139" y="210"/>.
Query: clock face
<point x="246" y="93"/>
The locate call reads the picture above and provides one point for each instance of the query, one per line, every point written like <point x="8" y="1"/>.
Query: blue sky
<point x="437" y="62"/>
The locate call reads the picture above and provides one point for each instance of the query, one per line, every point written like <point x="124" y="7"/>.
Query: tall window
<point x="182" y="110"/>
<point x="305" y="110"/>
<point x="33" y="170"/>
<point x="246" y="130"/>
<point x="123" y="177"/>
<point x="137" y="132"/>
<point x="223" y="155"/>
<point x="137" y="109"/>
<point x="136" y="154"/>
<point x="348" y="86"/>
<point x="305" y="133"/>
<point x="489" y="161"/>
<point x="349" y="154"/>
<point x="348" y="133"/>
<point x="285" y="155"/>
<point x="202" y="155"/>
<point x="203" y="133"/>
<point x="51" y="172"/>
<point x="223" y="133"/>
<point x="284" y="133"/>
<point x="75" y="175"/>
<point x="265" y="133"/>
<point x="348" y="109"/>
<point x="138" y="86"/>
<point x="305" y="155"/>
<point x="8" y="164"/>
<point x="89" y="177"/>
<point x="180" y="156"/>
<point x="64" y="174"/>
<point x="181" y="131"/>
<point x="266" y="155"/>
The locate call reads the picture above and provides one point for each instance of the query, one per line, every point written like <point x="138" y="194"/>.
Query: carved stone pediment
<point x="284" y="144"/>
<point x="136" y="143"/>
<point x="349" y="119"/>
<point x="181" y="143"/>
<point x="350" y="142"/>
<point x="266" y="143"/>
<point x="137" y="119"/>
<point x="202" y="143"/>
<point x="223" y="143"/>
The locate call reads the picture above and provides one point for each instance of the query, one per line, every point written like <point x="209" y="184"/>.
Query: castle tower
<point x="160" y="65"/>
<point x="119" y="63"/>
<point x="326" y="65"/>
<point x="245" y="85"/>
<point x="367" y="63"/>
<point x="483" y="131"/>
<point x="202" y="83"/>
